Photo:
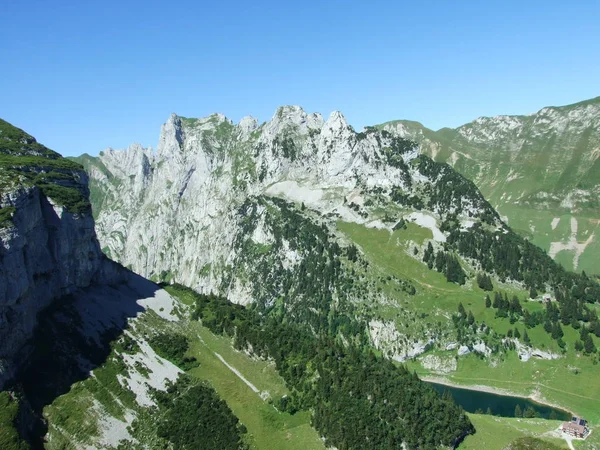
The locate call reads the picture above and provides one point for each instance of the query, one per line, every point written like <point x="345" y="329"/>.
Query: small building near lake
<point x="577" y="427"/>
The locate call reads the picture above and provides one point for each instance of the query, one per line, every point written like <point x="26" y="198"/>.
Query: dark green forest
<point x="358" y="400"/>
<point x="189" y="415"/>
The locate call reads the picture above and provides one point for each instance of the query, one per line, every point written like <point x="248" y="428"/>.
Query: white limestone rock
<point x="463" y="350"/>
<point x="439" y="364"/>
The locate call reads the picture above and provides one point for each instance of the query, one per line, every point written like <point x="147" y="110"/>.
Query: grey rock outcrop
<point x="46" y="252"/>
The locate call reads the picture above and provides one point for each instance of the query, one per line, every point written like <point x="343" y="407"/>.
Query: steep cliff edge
<point x="48" y="246"/>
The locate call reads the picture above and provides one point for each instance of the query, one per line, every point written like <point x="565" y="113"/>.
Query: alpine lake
<point x="474" y="401"/>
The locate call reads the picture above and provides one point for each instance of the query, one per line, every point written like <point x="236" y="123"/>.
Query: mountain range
<point x="308" y="272"/>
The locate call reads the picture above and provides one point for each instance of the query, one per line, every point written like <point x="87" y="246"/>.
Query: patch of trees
<point x="287" y="146"/>
<point x="553" y="318"/>
<point x="317" y="291"/>
<point x="463" y="319"/>
<point x="507" y="308"/>
<point x="370" y="130"/>
<point x="9" y="417"/>
<point x="445" y="263"/>
<point x="359" y="400"/>
<point x="484" y="282"/>
<point x="585" y="342"/>
<point x="400" y="225"/>
<point x="395" y="151"/>
<point x="358" y="209"/>
<point x="399" y="196"/>
<point x="513" y="257"/>
<point x="191" y="416"/>
<point x="450" y="192"/>
<point x="173" y="347"/>
<point x="403" y="285"/>
<point x="6" y="214"/>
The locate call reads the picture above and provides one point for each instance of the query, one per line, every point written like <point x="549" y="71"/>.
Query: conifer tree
<point x="518" y="411"/>
<point x="588" y="344"/>
<point x="470" y="319"/>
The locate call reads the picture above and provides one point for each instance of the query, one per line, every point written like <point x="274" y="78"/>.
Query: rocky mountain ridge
<point x="183" y="198"/>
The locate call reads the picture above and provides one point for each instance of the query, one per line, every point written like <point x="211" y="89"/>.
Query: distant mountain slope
<point x="540" y="171"/>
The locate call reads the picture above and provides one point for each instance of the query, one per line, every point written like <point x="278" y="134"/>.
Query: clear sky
<point x="82" y="76"/>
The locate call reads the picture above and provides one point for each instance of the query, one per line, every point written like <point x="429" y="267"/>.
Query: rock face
<point x="533" y="169"/>
<point x="46" y="251"/>
<point x="174" y="214"/>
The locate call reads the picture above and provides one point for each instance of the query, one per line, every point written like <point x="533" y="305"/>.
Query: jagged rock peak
<point x="205" y="123"/>
<point x="135" y="148"/>
<point x="171" y="137"/>
<point x="291" y="118"/>
<point x="289" y="111"/>
<point x="133" y="160"/>
<point x="295" y="115"/>
<point x="247" y="125"/>
<point x="336" y="120"/>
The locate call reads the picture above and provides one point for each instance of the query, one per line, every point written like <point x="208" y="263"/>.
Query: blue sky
<point x="82" y="76"/>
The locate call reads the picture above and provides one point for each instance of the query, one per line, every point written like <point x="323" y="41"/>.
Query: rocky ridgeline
<point x="173" y="214"/>
<point x="559" y="145"/>
<point x="548" y="161"/>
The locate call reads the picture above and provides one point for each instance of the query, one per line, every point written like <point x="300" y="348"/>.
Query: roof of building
<point x="572" y="426"/>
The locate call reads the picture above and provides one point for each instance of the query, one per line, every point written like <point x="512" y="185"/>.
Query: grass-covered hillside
<point x="540" y="171"/>
<point x="25" y="162"/>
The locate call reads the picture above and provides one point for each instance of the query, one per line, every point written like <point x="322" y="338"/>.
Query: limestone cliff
<point x="48" y="246"/>
<point x="174" y="214"/>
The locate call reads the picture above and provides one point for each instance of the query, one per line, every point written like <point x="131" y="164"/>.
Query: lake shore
<point x="534" y="397"/>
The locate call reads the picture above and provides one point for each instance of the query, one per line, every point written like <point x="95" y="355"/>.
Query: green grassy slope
<point x="557" y="381"/>
<point x="77" y="417"/>
<point x="25" y="162"/>
<point x="532" y="169"/>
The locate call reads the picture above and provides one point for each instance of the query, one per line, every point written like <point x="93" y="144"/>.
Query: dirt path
<point x="230" y="367"/>
<point x="237" y="372"/>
